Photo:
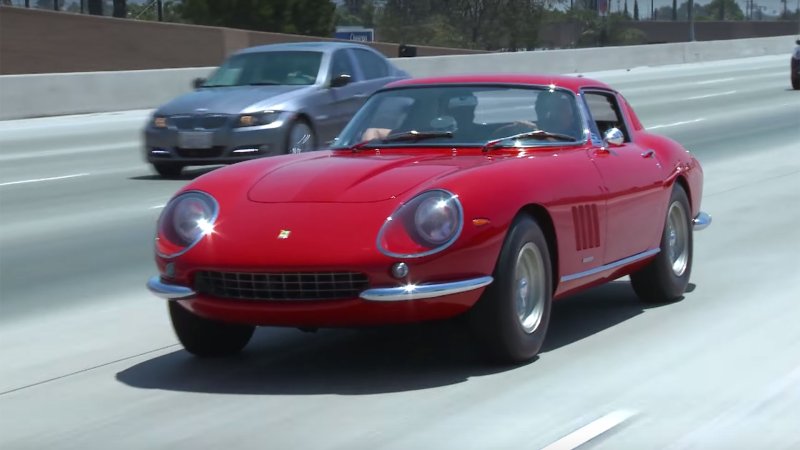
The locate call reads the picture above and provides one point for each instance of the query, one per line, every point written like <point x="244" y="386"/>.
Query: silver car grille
<point x="281" y="286"/>
<point x="199" y="122"/>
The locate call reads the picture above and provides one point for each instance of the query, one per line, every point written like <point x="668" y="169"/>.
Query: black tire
<point x="168" y="170"/>
<point x="497" y="317"/>
<point x="207" y="338"/>
<point x="665" y="278"/>
<point x="796" y="83"/>
<point x="311" y="140"/>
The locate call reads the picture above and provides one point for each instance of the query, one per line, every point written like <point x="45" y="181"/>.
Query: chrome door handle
<point x="648" y="153"/>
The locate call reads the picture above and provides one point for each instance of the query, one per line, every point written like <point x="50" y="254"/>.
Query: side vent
<point x="587" y="227"/>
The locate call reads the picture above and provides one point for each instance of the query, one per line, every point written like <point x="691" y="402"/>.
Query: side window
<point x="372" y="65"/>
<point x="605" y="112"/>
<point x="341" y="65"/>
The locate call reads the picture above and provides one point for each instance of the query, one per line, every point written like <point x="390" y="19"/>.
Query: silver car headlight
<point x="427" y="224"/>
<point x="257" y="119"/>
<point x="185" y="220"/>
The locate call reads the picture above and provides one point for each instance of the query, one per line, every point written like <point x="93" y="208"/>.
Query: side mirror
<point x="614" y="137"/>
<point x="341" y="80"/>
<point x="797" y="42"/>
<point x="198" y="82"/>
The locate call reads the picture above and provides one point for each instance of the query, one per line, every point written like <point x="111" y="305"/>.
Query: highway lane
<point x="89" y="354"/>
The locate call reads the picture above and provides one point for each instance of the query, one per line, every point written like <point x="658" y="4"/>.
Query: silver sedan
<point x="266" y="100"/>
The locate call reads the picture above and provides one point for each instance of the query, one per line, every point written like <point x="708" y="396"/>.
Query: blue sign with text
<point x="366" y="35"/>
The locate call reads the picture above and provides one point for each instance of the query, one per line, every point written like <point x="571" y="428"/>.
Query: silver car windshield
<point x="471" y="114"/>
<point x="267" y="68"/>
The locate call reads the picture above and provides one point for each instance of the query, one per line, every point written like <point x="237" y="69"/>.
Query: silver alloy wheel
<point x="301" y="138"/>
<point x="529" y="286"/>
<point x="678" y="238"/>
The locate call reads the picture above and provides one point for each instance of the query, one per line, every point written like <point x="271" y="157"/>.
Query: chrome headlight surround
<point x="256" y="119"/>
<point x="423" y="226"/>
<point x="185" y="220"/>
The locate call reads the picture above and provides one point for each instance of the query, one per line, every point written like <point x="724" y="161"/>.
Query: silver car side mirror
<point x="614" y="137"/>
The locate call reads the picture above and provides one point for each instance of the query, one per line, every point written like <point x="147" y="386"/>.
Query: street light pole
<point x="691" y="21"/>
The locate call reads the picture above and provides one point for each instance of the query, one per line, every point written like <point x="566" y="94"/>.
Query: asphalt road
<point x="88" y="358"/>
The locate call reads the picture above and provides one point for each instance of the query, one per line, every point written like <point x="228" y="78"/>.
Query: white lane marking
<point x="718" y="80"/>
<point x="36" y="180"/>
<point x="717" y="94"/>
<point x="675" y="124"/>
<point x="68" y="152"/>
<point x="591" y="431"/>
<point x="157" y="206"/>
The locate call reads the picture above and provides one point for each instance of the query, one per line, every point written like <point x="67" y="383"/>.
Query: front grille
<point x="281" y="286"/>
<point x="199" y="122"/>
<point x="213" y="152"/>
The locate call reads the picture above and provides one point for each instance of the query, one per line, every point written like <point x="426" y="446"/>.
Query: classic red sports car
<point x="489" y="196"/>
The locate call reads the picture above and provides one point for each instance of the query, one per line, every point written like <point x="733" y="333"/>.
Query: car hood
<point x="231" y="100"/>
<point x="354" y="178"/>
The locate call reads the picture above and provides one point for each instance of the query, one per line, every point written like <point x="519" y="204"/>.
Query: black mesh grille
<point x="281" y="286"/>
<point x="200" y="122"/>
<point x="213" y="152"/>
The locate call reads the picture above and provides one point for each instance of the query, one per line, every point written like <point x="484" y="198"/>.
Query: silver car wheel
<point x="678" y="238"/>
<point x="301" y="138"/>
<point x="529" y="289"/>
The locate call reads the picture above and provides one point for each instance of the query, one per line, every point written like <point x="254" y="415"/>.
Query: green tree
<point x="120" y="8"/>
<point x="310" y="17"/>
<point x="95" y="7"/>
<point x="723" y="10"/>
<point x="635" y="9"/>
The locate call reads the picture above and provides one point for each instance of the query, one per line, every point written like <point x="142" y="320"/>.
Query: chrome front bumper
<point x="701" y="221"/>
<point x="169" y="291"/>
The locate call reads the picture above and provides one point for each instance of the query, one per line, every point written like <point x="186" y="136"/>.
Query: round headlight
<point x="187" y="218"/>
<point x="435" y="221"/>
<point x="426" y="224"/>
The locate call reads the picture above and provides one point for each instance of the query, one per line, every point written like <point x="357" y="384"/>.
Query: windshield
<point x="473" y="114"/>
<point x="267" y="68"/>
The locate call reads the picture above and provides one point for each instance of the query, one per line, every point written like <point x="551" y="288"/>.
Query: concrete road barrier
<point x="24" y="96"/>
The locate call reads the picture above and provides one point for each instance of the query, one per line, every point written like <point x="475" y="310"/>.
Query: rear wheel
<point x="301" y="138"/>
<point x="665" y="278"/>
<point x="205" y="337"/>
<point x="168" y="170"/>
<point x="512" y="316"/>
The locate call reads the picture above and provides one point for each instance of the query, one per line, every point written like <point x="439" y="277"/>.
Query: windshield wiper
<point x="412" y="135"/>
<point x="264" y="83"/>
<point x="538" y="134"/>
<point x="415" y="135"/>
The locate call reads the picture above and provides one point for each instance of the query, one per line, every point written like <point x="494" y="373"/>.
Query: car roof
<point x="573" y="83"/>
<point x="320" y="46"/>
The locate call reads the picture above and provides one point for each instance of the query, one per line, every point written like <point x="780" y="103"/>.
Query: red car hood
<point x="354" y="178"/>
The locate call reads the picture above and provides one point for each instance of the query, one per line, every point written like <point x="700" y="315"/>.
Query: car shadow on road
<point x="372" y="361"/>
<point x="186" y="175"/>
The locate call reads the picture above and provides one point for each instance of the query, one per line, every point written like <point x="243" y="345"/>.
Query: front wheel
<point x="300" y="138"/>
<point x="665" y="278"/>
<point x="168" y="170"/>
<point x="205" y="337"/>
<point x="512" y="316"/>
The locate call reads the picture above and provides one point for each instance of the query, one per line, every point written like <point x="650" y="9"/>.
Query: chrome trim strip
<point x="168" y="291"/>
<point x="701" y="221"/>
<point x="612" y="265"/>
<point x="422" y="291"/>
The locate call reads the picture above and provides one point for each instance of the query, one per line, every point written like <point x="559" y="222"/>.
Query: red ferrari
<point x="486" y="196"/>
